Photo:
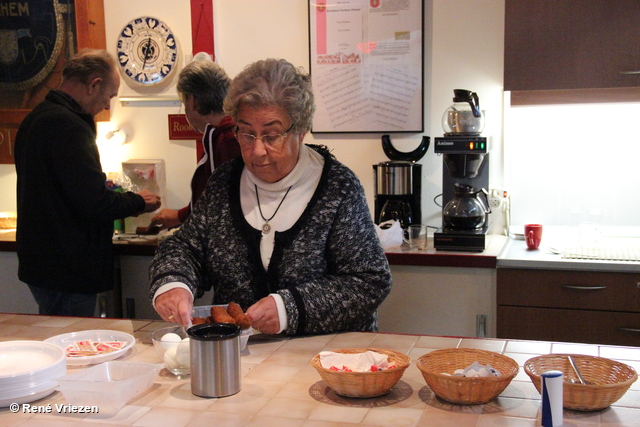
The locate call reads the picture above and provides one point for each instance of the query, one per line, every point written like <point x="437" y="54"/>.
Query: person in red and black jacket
<point x="202" y="87"/>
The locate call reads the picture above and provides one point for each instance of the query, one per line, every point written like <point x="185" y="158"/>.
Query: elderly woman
<point x="284" y="230"/>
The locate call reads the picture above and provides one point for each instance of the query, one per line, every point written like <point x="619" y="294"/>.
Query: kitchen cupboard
<point x="423" y="300"/>
<point x="16" y="297"/>
<point x="572" y="51"/>
<point x="453" y="301"/>
<point x="576" y="306"/>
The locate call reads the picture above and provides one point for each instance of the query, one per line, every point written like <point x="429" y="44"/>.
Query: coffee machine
<point x="398" y="184"/>
<point x="465" y="176"/>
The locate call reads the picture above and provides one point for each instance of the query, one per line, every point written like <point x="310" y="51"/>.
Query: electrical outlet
<point x="497" y="198"/>
<point x="495" y="202"/>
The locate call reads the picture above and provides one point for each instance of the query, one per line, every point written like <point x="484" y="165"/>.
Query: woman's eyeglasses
<point x="273" y="140"/>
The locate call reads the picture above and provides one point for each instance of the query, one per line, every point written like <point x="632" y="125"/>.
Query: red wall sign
<point x="179" y="128"/>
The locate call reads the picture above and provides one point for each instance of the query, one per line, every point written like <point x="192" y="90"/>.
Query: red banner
<point x="202" y="27"/>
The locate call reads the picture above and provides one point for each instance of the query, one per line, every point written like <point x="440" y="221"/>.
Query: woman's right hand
<point x="166" y="218"/>
<point x="175" y="306"/>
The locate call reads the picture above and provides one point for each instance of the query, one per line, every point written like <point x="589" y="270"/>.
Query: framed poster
<point x="366" y="65"/>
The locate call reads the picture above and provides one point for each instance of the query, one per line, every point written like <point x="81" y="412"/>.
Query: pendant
<point x="266" y="228"/>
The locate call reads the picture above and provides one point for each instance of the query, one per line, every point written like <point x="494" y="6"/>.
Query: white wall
<point x="463" y="49"/>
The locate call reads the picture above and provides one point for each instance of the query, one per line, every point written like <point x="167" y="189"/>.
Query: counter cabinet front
<point x="577" y="306"/>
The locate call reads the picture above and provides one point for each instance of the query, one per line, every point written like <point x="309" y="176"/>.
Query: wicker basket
<point x="610" y="379"/>
<point x="364" y="384"/>
<point x="463" y="390"/>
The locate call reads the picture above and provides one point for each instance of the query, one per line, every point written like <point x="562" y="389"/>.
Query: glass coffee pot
<point x="397" y="209"/>
<point x="466" y="211"/>
<point x="464" y="117"/>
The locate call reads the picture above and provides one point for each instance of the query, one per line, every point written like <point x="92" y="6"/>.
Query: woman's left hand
<point x="264" y="316"/>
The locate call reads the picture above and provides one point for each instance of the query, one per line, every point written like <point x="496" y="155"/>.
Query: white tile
<point x="484" y="344"/>
<point x="564" y="348"/>
<point x="529" y="347"/>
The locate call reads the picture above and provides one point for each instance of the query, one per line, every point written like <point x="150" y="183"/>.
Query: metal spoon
<point x="576" y="370"/>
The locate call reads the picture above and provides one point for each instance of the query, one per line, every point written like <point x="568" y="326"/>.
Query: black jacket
<point x="65" y="210"/>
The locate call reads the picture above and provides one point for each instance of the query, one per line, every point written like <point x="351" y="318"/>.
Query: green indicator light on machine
<point x="482" y="145"/>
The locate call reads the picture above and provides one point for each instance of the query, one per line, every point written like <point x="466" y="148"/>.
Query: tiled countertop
<point x="281" y="388"/>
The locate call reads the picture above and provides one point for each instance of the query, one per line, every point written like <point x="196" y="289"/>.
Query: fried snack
<point x="238" y="315"/>
<point x="199" y="320"/>
<point x="220" y="315"/>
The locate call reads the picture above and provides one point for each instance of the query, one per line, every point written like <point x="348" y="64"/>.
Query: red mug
<point x="533" y="235"/>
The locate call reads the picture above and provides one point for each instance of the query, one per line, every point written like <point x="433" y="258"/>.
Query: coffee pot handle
<point x="485" y="202"/>
<point x="475" y="104"/>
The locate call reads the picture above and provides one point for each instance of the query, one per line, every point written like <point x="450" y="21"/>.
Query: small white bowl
<point x="174" y="354"/>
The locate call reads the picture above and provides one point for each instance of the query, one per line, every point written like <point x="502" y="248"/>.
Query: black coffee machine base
<point x="448" y="239"/>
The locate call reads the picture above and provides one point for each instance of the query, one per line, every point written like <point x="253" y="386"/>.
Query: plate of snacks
<point x="228" y="313"/>
<point x="94" y="346"/>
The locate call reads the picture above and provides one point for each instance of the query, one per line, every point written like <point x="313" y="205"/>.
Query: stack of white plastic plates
<point x="28" y="370"/>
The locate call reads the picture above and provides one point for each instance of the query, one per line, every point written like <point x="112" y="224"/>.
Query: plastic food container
<point x="109" y="386"/>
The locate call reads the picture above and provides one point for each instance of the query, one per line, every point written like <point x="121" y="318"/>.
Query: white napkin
<point x="476" y="370"/>
<point x="358" y="362"/>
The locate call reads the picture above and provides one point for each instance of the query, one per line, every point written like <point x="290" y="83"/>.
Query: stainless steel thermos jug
<point x="215" y="359"/>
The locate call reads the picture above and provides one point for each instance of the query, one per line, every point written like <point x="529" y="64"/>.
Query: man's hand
<point x="151" y="200"/>
<point x="175" y="306"/>
<point x="264" y="316"/>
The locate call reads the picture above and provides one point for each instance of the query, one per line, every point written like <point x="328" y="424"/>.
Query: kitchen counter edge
<point x="403" y="256"/>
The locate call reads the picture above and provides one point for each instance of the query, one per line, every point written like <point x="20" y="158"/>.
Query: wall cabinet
<point x="565" y="45"/>
<point x="570" y="306"/>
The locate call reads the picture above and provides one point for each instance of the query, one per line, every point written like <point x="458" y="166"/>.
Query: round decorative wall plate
<point x="147" y="51"/>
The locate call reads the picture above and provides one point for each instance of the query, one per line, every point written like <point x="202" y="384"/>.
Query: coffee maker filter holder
<point x="398" y="184"/>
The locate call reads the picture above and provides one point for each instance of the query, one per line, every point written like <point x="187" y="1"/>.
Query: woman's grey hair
<point x="273" y="82"/>
<point x="89" y="64"/>
<point x="207" y="82"/>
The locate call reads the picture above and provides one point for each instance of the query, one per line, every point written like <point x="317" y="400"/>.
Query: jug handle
<point x="475" y="105"/>
<point x="486" y="206"/>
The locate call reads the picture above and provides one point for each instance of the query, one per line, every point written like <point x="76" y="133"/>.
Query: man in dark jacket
<point x="65" y="210"/>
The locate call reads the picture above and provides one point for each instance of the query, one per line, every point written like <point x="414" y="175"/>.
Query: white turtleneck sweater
<point x="303" y="180"/>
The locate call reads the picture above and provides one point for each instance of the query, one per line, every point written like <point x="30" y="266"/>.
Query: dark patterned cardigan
<point x="328" y="267"/>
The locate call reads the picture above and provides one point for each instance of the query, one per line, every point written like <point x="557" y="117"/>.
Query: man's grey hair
<point x="88" y="64"/>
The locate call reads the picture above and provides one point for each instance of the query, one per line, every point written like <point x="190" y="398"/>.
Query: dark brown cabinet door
<point x="573" y="306"/>
<point x="571" y="44"/>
